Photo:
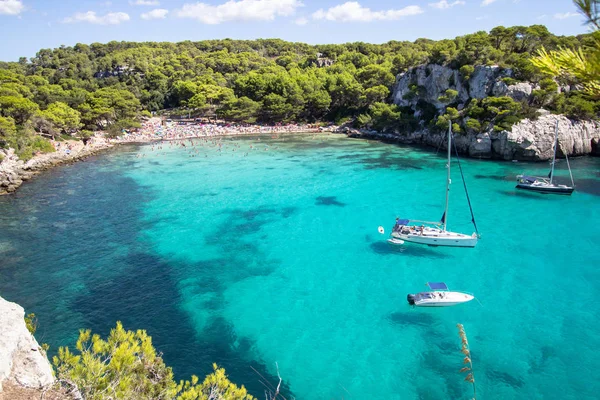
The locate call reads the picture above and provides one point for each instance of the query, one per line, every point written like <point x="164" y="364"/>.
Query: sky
<point x="27" y="26"/>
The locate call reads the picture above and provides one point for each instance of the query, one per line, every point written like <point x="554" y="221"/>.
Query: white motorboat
<point x="439" y="296"/>
<point x="546" y="185"/>
<point x="435" y="233"/>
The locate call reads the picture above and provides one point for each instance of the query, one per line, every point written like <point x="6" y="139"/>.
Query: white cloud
<point x="542" y="16"/>
<point x="11" y="7"/>
<point x="301" y="21"/>
<point x="239" y="10"/>
<point x="481" y="18"/>
<point x="144" y="3"/>
<point x="443" y="4"/>
<point x="487" y="2"/>
<point x="565" y="15"/>
<point x="353" y="12"/>
<point x="92" y="18"/>
<point x="159" y="13"/>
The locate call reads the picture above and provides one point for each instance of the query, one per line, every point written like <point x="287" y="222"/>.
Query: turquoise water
<point x="247" y="257"/>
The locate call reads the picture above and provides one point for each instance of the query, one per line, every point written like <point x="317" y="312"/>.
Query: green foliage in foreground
<point x="576" y="63"/>
<point x="126" y="366"/>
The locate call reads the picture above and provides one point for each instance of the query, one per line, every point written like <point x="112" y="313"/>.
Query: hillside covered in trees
<point x="110" y="86"/>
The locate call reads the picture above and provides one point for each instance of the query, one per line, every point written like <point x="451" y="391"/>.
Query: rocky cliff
<point x="22" y="361"/>
<point x="429" y="83"/>
<point x="528" y="140"/>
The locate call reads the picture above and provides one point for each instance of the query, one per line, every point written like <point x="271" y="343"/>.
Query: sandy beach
<point x="13" y="172"/>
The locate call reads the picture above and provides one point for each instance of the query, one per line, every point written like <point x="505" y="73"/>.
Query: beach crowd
<point x="156" y="129"/>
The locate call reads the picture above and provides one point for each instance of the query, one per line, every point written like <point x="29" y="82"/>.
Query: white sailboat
<point x="439" y="296"/>
<point x="546" y="185"/>
<point x="434" y="233"/>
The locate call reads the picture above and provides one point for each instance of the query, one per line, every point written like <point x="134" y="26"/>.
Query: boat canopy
<point x="437" y="285"/>
<point x="530" y="179"/>
<point x="403" y="221"/>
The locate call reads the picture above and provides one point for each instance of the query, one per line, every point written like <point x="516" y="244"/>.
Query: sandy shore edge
<point x="14" y="172"/>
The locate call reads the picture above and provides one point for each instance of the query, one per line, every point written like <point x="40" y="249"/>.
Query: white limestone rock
<point x="484" y="78"/>
<point x="534" y="140"/>
<point x="21" y="360"/>
<point x="433" y="81"/>
<point x="520" y="91"/>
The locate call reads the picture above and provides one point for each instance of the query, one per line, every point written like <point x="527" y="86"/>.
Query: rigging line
<point x="465" y="185"/>
<point x="442" y="141"/>
<point x="570" y="173"/>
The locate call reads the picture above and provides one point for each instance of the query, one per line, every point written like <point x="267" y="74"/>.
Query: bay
<point x="254" y="251"/>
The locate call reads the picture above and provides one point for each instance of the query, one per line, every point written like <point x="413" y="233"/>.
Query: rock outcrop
<point x="22" y="361"/>
<point x="430" y="82"/>
<point x="528" y="140"/>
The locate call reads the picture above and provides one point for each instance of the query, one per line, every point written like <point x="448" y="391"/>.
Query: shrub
<point x="448" y="96"/>
<point x="127" y="366"/>
<point x="31" y="323"/>
<point x="473" y="125"/>
<point x="466" y="71"/>
<point x="509" y="81"/>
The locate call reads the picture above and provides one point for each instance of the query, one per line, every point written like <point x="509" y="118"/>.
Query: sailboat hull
<point x="547" y="189"/>
<point x="437" y="237"/>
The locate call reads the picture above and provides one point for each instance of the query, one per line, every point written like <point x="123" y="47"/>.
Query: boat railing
<point x="438" y="223"/>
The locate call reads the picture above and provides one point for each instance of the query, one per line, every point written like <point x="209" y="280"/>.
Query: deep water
<point x="254" y="255"/>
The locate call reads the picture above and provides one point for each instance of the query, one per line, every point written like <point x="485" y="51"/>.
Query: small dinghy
<point x="439" y="296"/>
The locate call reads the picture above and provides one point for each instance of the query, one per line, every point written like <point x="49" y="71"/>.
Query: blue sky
<point x="29" y="25"/>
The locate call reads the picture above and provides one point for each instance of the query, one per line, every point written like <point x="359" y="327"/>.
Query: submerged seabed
<point x="250" y="256"/>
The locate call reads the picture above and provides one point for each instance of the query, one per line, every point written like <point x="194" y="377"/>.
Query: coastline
<point x="14" y="172"/>
<point x="525" y="143"/>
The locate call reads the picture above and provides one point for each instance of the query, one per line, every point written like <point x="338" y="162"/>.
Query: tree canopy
<point x="109" y="86"/>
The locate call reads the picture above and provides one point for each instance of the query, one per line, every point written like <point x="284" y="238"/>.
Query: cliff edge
<point x="22" y="361"/>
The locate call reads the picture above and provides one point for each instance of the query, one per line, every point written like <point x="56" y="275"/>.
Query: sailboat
<point x="546" y="185"/>
<point x="435" y="233"/>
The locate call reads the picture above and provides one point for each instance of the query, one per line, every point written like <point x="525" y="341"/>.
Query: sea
<point x="262" y="254"/>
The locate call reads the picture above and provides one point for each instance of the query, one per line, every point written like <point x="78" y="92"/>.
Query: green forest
<point x="80" y="89"/>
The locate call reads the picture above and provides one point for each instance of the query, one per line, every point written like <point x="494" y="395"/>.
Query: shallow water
<point x="274" y="256"/>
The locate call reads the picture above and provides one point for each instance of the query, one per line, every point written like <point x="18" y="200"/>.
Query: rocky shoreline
<point x="13" y="172"/>
<point x="527" y="141"/>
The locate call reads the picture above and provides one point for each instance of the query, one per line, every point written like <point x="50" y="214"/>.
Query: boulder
<point x="481" y="146"/>
<point x="499" y="89"/>
<point x="520" y="91"/>
<point x="22" y="361"/>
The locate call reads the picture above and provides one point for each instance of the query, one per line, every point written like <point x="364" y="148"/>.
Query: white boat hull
<point x="440" y="299"/>
<point x="395" y="241"/>
<point x="437" y="237"/>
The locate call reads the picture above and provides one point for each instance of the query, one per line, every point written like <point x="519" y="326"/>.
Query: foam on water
<point x="247" y="256"/>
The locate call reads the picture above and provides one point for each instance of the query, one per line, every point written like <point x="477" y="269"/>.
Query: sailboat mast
<point x="448" y="179"/>
<point x="555" y="146"/>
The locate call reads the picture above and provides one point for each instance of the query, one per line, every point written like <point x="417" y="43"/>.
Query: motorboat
<point x="438" y="296"/>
